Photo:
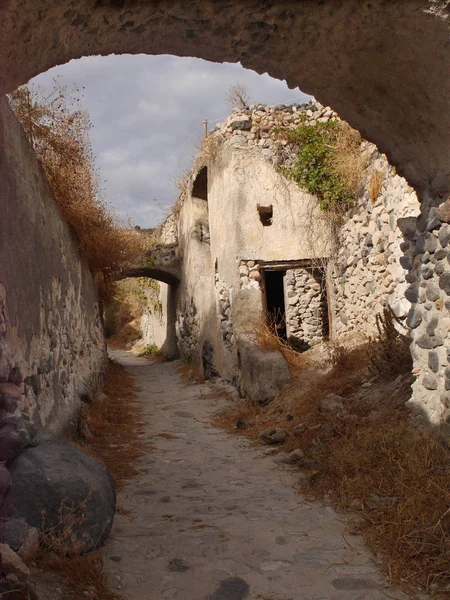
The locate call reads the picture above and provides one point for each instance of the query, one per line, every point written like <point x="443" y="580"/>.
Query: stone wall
<point x="224" y="300"/>
<point x="154" y="319"/>
<point x="158" y="325"/>
<point x="368" y="272"/>
<point x="257" y="127"/>
<point x="250" y="275"/>
<point x="306" y="310"/>
<point x="188" y="332"/>
<point x="427" y="253"/>
<point x="51" y="335"/>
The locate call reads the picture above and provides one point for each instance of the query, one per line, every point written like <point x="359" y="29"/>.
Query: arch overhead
<point x="166" y="276"/>
<point x="383" y="66"/>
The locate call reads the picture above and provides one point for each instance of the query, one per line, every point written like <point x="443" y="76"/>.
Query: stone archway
<point x="381" y="65"/>
<point x="167" y="275"/>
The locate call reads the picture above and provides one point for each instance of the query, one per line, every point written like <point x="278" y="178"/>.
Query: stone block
<point x="444" y="211"/>
<point x="444" y="283"/>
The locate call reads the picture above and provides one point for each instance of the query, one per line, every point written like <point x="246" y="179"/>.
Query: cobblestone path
<point x="215" y="518"/>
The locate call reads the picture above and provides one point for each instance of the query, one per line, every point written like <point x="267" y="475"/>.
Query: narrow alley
<point x="211" y="517"/>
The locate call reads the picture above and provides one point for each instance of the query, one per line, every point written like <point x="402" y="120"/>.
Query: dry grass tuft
<point x="116" y="425"/>
<point x="268" y="340"/>
<point x="83" y="576"/>
<point x="58" y="134"/>
<point x="366" y="457"/>
<point x="375" y="185"/>
<point x="348" y="159"/>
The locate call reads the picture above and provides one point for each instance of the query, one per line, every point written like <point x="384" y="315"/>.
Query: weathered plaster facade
<point x="216" y="308"/>
<point x="51" y="336"/>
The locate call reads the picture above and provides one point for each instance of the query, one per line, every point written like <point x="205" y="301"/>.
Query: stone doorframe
<point x="287" y="265"/>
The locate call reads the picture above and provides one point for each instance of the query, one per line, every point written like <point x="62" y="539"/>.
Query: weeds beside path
<point x="114" y="425"/>
<point x="358" y="450"/>
<point x="210" y="515"/>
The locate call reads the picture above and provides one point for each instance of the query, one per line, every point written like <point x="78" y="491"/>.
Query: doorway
<point x="275" y="303"/>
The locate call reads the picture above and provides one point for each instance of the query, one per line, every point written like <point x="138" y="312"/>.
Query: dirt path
<point x="214" y="518"/>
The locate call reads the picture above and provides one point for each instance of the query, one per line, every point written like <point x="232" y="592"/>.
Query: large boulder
<point x="57" y="488"/>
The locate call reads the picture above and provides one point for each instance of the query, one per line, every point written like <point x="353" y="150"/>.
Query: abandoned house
<point x="250" y="248"/>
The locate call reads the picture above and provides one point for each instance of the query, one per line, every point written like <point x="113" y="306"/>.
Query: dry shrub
<point x="375" y="184"/>
<point x="390" y="352"/>
<point x="151" y="352"/>
<point x="175" y="209"/>
<point x="348" y="158"/>
<point x="238" y="96"/>
<point x="134" y="296"/>
<point x="210" y="147"/>
<point x="129" y="310"/>
<point x="269" y="340"/>
<point x="182" y="181"/>
<point x="367" y="457"/>
<point x="59" y="137"/>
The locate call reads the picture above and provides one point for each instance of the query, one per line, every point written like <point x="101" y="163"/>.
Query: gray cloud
<point x="147" y="114"/>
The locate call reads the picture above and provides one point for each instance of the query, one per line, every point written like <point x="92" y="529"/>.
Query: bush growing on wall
<point x="329" y="163"/>
<point x="59" y="136"/>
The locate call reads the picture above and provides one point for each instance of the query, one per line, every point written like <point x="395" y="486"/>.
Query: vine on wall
<point x="329" y="163"/>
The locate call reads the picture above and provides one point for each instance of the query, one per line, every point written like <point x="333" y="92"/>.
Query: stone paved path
<point x="215" y="518"/>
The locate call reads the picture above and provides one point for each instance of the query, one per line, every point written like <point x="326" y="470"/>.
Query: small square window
<point x="265" y="214"/>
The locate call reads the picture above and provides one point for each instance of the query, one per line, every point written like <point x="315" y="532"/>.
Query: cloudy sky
<point x="147" y="114"/>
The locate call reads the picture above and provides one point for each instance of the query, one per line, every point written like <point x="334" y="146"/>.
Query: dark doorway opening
<point x="276" y="309"/>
